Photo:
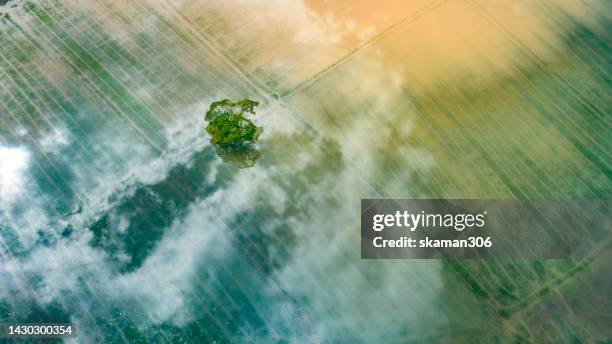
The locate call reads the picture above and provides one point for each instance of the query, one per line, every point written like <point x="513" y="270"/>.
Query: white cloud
<point x="13" y="164"/>
<point x="53" y="140"/>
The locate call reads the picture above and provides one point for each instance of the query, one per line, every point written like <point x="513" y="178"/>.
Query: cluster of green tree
<point x="232" y="134"/>
<point x="227" y="123"/>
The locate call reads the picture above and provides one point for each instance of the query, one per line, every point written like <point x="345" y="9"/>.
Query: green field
<point x="118" y="215"/>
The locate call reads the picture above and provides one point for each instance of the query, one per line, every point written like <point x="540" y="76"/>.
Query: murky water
<point x="119" y="216"/>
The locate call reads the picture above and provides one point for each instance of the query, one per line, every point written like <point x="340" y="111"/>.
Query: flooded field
<point x="118" y="215"/>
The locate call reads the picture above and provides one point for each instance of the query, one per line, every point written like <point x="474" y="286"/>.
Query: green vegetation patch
<point x="232" y="134"/>
<point x="227" y="123"/>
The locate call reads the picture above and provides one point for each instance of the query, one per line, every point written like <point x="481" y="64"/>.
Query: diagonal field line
<point x="264" y="91"/>
<point x="527" y="301"/>
<point x="307" y="83"/>
<point x="598" y="160"/>
<point x="228" y="61"/>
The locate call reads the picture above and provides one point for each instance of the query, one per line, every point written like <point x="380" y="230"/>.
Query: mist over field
<point x="117" y="214"/>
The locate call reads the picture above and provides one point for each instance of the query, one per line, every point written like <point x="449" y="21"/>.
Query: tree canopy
<point x="227" y="123"/>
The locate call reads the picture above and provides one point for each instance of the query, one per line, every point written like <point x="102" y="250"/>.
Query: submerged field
<point x="118" y="215"/>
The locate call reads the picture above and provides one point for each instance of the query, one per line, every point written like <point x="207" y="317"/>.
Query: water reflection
<point x="244" y="155"/>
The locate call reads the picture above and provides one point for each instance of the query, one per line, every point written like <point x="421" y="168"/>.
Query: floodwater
<point x="118" y="215"/>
